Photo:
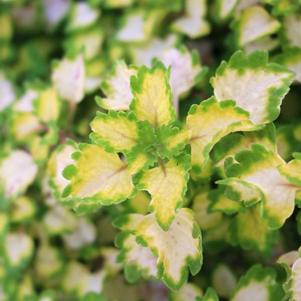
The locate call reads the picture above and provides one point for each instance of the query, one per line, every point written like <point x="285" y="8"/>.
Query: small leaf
<point x="115" y="131"/>
<point x="138" y="25"/>
<point x="173" y="260"/>
<point x="17" y="172"/>
<point x="18" y="249"/>
<point x="167" y="185"/>
<point x="208" y="123"/>
<point x="254" y="23"/>
<point x="258" y="284"/>
<point x="152" y="95"/>
<point x="255" y="85"/>
<point x="224" y="8"/>
<point x="223" y="280"/>
<point x="82" y="15"/>
<point x="68" y="78"/>
<point x="117" y="88"/>
<point x="101" y="178"/>
<point x="185" y="71"/>
<point x="193" y="23"/>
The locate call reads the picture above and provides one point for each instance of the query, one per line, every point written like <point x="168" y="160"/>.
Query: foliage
<point x="150" y="150"/>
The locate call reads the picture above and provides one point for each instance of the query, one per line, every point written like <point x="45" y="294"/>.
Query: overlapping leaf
<point x="97" y="177"/>
<point x="175" y="249"/>
<point x="255" y="85"/>
<point x="260" y="167"/>
<point x="208" y="123"/>
<point x="259" y="283"/>
<point x="152" y="96"/>
<point x="167" y="185"/>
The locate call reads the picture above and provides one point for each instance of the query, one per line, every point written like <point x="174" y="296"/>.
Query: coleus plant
<point x="180" y="157"/>
<point x="148" y="138"/>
